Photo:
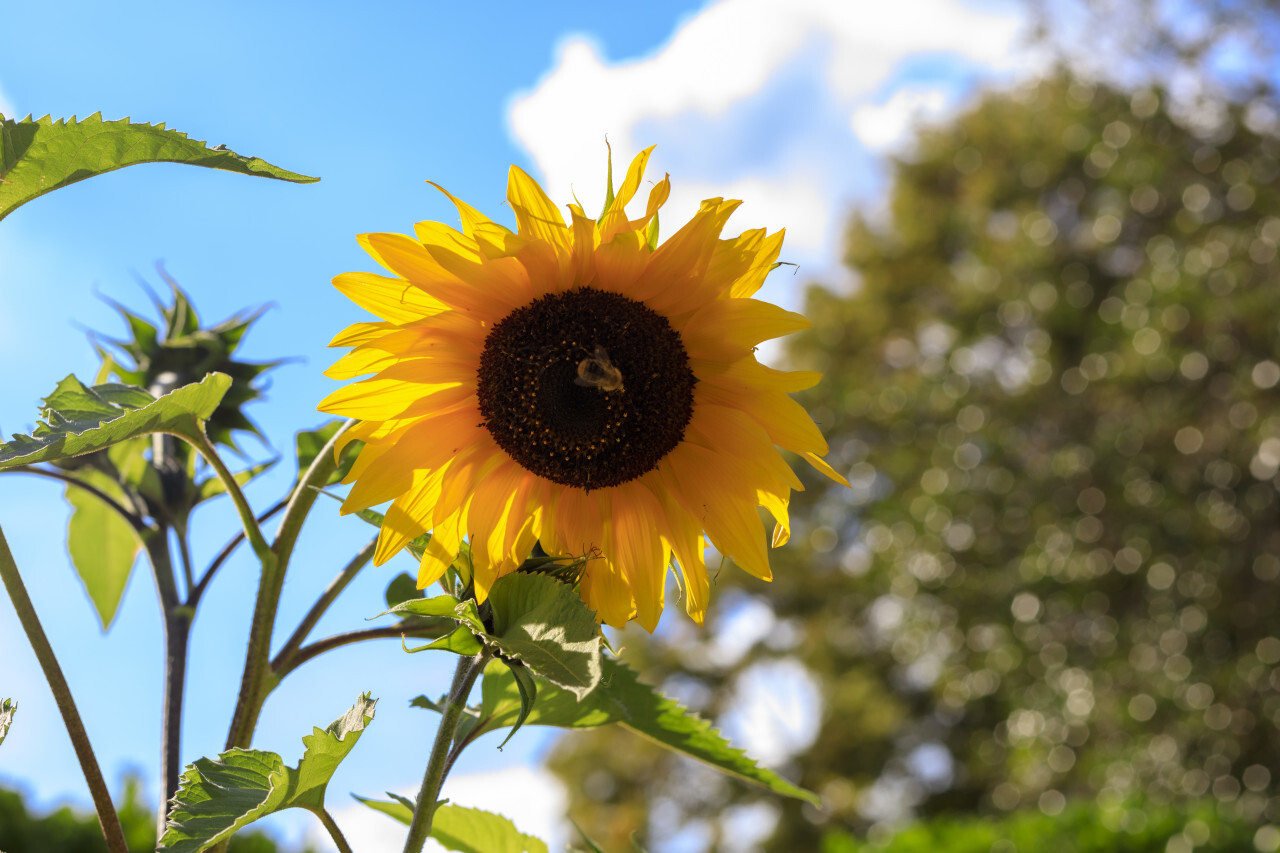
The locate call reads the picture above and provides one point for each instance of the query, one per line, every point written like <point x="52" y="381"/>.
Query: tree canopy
<point x="1054" y="389"/>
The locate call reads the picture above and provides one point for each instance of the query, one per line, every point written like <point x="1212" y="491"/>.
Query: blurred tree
<point x="1055" y="391"/>
<point x="1204" y="48"/>
<point x="65" y="831"/>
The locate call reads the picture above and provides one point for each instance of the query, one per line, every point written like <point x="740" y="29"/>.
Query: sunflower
<point x="574" y="385"/>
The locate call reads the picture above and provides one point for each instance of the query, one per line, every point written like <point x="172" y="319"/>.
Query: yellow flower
<point x="574" y="386"/>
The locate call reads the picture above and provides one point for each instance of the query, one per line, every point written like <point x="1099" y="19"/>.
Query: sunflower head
<point x="576" y="387"/>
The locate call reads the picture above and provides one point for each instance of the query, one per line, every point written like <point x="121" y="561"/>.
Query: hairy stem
<point x="258" y="679"/>
<point x="437" y="765"/>
<point x="107" y="816"/>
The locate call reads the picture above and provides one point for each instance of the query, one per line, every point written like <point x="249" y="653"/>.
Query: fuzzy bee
<point x="597" y="371"/>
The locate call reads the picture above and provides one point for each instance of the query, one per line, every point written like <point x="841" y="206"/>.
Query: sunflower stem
<point x="177" y="637"/>
<point x="464" y="677"/>
<point x="30" y="622"/>
<point x="258" y="679"/>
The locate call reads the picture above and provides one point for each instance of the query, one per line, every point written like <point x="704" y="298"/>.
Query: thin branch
<point x="134" y="520"/>
<point x="253" y="531"/>
<point x="335" y="833"/>
<point x="426" y="629"/>
<point x="193" y="597"/>
<point x="26" y="611"/>
<point x="331" y="593"/>
<point x="184" y="554"/>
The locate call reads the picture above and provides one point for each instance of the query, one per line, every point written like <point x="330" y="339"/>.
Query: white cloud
<point x="887" y="126"/>
<point x="759" y="100"/>
<point x="532" y="798"/>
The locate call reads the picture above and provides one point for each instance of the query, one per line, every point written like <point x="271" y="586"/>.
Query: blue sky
<point x="792" y="110"/>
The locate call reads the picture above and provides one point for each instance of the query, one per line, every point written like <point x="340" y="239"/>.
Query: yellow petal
<point x="728" y="329"/>
<point x="536" y="215"/>
<point x="392" y="299"/>
<point x="635" y="546"/>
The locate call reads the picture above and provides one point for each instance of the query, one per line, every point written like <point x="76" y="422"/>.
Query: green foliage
<point x="65" y="831"/>
<point x="623" y="699"/>
<point x="465" y="830"/>
<point x="220" y="796"/>
<point x="77" y="419"/>
<point x="543" y="623"/>
<point x="41" y="155"/>
<point x="1054" y="392"/>
<point x="8" y="708"/>
<point x="1133" y="827"/>
<point x="103" y="545"/>
<point x="537" y="621"/>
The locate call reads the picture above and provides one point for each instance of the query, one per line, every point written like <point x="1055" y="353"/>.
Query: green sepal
<point x="464" y="830"/>
<point x="651" y="233"/>
<point x="463" y="612"/>
<point x="608" y="185"/>
<point x="78" y="419"/>
<point x="8" y="708"/>
<point x="218" y="797"/>
<point x="41" y="155"/>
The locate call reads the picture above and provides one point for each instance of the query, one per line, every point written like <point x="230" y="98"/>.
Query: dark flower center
<point x="585" y="388"/>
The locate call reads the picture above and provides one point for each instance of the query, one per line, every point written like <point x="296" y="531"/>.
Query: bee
<point x="597" y="371"/>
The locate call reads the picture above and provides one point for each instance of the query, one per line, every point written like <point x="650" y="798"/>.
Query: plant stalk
<point x="107" y="816"/>
<point x="438" y="764"/>
<point x="258" y="680"/>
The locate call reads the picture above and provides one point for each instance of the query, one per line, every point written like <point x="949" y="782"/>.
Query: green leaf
<point x="474" y="831"/>
<point x="77" y="419"/>
<point x="401" y="589"/>
<point x="218" y="797"/>
<point x="621" y="698"/>
<point x="528" y="688"/>
<point x="399" y="809"/>
<point x="41" y="155"/>
<point x="462" y="641"/>
<point x="8" y="708"/>
<point x="465" y="830"/>
<point x="544" y="623"/>
<point x="103" y="545"/>
<point x="211" y="487"/>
